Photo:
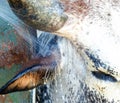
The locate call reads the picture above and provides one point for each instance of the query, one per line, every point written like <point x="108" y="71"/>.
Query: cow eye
<point x="104" y="76"/>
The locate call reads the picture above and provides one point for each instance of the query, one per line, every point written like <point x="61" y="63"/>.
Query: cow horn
<point x="45" y="15"/>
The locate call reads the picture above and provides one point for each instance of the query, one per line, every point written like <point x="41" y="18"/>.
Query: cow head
<point x="88" y="41"/>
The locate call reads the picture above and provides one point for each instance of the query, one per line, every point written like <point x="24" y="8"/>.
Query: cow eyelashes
<point x="103" y="76"/>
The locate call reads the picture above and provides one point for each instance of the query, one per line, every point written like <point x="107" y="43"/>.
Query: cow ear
<point x="28" y="78"/>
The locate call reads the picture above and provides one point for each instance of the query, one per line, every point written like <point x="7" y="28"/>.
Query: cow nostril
<point x="104" y="76"/>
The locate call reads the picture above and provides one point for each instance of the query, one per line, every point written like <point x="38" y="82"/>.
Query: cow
<point x="80" y="62"/>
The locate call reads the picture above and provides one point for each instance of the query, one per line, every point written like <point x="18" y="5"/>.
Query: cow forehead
<point x="99" y="31"/>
